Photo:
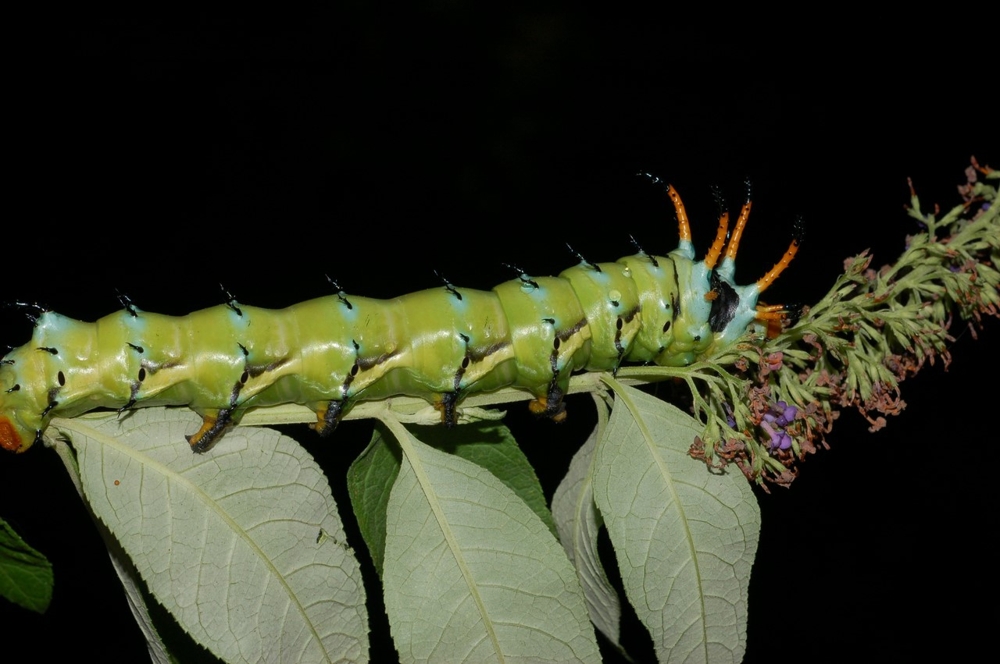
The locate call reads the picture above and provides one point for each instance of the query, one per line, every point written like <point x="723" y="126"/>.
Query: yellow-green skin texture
<point x="332" y="352"/>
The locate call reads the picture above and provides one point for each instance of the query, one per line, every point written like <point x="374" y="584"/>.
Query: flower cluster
<point x="852" y="349"/>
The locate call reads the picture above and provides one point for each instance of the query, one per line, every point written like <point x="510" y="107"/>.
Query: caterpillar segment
<point x="530" y="333"/>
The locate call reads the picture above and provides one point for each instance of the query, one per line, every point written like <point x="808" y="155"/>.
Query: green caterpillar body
<point x="332" y="352"/>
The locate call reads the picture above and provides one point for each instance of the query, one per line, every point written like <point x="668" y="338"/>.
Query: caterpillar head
<point x="705" y="311"/>
<point x="711" y="310"/>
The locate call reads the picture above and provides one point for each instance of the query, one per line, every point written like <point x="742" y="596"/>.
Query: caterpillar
<point x="531" y="333"/>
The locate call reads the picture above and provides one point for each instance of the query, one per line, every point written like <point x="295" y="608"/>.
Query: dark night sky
<point x="164" y="159"/>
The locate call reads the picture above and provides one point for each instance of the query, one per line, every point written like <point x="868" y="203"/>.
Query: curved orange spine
<point x="737" y="235"/>
<point x="779" y="267"/>
<point x="712" y="257"/>
<point x="683" y="225"/>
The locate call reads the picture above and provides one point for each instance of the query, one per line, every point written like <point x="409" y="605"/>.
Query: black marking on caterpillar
<point x="583" y="261"/>
<point x="231" y="301"/>
<point x="340" y="293"/>
<point x="530" y="333"/>
<point x="126" y="303"/>
<point x="448" y="285"/>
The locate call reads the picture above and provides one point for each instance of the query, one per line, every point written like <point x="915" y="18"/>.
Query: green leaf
<point x="685" y="538"/>
<point x="472" y="574"/>
<point x="579" y="523"/>
<point x="242" y="544"/>
<point x="369" y="480"/>
<point x="25" y="574"/>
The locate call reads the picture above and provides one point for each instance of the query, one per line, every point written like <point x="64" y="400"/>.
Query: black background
<point x="161" y="159"/>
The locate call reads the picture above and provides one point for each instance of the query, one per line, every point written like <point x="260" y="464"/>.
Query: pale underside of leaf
<point x="487" y="444"/>
<point x="685" y="538"/>
<point x="579" y="523"/>
<point x="231" y="542"/>
<point x="471" y="573"/>
<point x="126" y="571"/>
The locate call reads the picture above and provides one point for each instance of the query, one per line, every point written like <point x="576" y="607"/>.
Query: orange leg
<point x="543" y="406"/>
<point x="212" y="428"/>
<point x="328" y="417"/>
<point x="775" y="316"/>
<point x="208" y="423"/>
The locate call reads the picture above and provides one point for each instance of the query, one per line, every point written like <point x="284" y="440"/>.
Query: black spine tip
<point x="799" y="230"/>
<point x="652" y="178"/>
<point x="231" y="301"/>
<point x="720" y="200"/>
<point x="341" y="295"/>
<point x="31" y="310"/>
<point x="582" y="260"/>
<point x="126" y="303"/>
<point x="448" y="285"/>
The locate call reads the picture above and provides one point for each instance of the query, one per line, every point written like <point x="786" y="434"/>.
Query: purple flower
<point x="730" y="420"/>
<point x="779" y="416"/>
<point x="775" y="436"/>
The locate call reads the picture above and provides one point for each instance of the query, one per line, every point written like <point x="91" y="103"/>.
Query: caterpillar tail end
<point x="10" y="438"/>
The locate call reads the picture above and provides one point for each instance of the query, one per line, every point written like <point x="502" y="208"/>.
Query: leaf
<point x="369" y="481"/>
<point x="25" y="574"/>
<point x="579" y="523"/>
<point x="138" y="601"/>
<point x="230" y="541"/>
<point x="685" y="538"/>
<point x="486" y="444"/>
<point x="471" y="573"/>
<point x="492" y="446"/>
<point x="135" y="592"/>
